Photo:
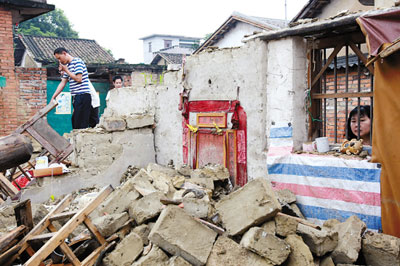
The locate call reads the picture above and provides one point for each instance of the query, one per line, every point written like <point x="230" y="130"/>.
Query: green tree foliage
<point x="51" y="24"/>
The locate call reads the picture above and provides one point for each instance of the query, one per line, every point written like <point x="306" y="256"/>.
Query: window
<point x="339" y="83"/>
<point x="150" y="47"/>
<point x="167" y="43"/>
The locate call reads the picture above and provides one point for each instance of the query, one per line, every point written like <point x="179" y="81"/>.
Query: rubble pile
<point x="166" y="216"/>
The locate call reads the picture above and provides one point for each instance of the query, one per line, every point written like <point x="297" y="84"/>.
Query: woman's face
<point x="365" y="125"/>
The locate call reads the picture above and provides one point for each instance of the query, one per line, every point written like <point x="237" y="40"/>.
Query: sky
<point x="119" y="24"/>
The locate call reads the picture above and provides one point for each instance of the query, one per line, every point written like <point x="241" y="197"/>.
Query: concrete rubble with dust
<point x="158" y="216"/>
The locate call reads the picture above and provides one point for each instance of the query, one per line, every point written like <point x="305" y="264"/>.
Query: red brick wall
<point x="341" y="103"/>
<point x="8" y="94"/>
<point x="32" y="92"/>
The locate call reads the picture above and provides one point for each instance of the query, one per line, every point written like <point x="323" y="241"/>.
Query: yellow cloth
<point x="386" y="138"/>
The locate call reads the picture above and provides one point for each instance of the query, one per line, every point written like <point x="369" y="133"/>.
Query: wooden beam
<point x="330" y="42"/>
<point x="7" y="238"/>
<point x="361" y="56"/>
<point x="37" y="116"/>
<point x="8" y="186"/>
<point x="330" y="59"/>
<point x="65" y="248"/>
<point x="61" y="216"/>
<point x="92" y="228"/>
<point x="68" y="228"/>
<point x="42" y="237"/>
<point x="341" y="95"/>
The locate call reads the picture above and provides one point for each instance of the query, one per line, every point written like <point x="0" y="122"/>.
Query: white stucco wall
<point x="157" y="43"/>
<point x="234" y="36"/>
<point x="286" y="86"/>
<point x="335" y="6"/>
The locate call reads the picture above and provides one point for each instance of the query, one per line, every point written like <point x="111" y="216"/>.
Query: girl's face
<point x="365" y="125"/>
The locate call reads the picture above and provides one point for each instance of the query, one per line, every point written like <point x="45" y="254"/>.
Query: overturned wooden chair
<point x="56" y="238"/>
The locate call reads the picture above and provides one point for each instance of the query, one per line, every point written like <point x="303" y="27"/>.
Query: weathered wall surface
<point x="236" y="74"/>
<point x="286" y="86"/>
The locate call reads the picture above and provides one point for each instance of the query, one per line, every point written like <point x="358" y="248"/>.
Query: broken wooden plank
<point x="6" y="239"/>
<point x="37" y="116"/>
<point x="60" y="216"/>
<point x="23" y="214"/>
<point x="68" y="228"/>
<point x="65" y="248"/>
<point x="93" y="229"/>
<point x="10" y="189"/>
<point x="217" y="229"/>
<point x="42" y="237"/>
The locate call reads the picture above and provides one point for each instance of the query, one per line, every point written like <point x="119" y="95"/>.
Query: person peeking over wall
<point x="352" y="129"/>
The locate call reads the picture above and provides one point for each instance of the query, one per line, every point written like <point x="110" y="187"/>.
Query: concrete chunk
<point x="138" y="121"/>
<point x="349" y="244"/>
<point x="109" y="224"/>
<point x="153" y="167"/>
<point x="207" y="183"/>
<point x="162" y="182"/>
<point x="143" y="231"/>
<point x="301" y="254"/>
<point x="285" y="196"/>
<point x="125" y="252"/>
<point x="285" y="225"/>
<point x="177" y="261"/>
<point x="251" y="205"/>
<point x="114" y="124"/>
<point x="155" y="257"/>
<point x="197" y="207"/>
<point x="327" y="261"/>
<point x="381" y="249"/>
<point x="142" y="183"/>
<point x="215" y="172"/>
<point x="179" y="234"/>
<point x="319" y="241"/>
<point x="272" y="248"/>
<point x="227" y="252"/>
<point x="269" y="227"/>
<point x="146" y="208"/>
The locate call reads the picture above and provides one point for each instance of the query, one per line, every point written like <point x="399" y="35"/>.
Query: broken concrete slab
<point x="162" y="182"/>
<point x="155" y="257"/>
<point x="178" y="181"/>
<point x="285" y="196"/>
<point x="272" y="248"/>
<point x="125" y="252"/>
<point x="184" y="170"/>
<point x="143" y="231"/>
<point x="269" y="227"/>
<point x="285" y="225"/>
<point x="248" y="206"/>
<point x="206" y="183"/>
<point x="349" y="244"/>
<point x="214" y="171"/>
<point x="139" y="120"/>
<point x="120" y="199"/>
<point x="146" y="208"/>
<point x="300" y="254"/>
<point x="380" y="249"/>
<point x="199" y="208"/>
<point x="153" y="167"/>
<point x="320" y="242"/>
<point x="177" y="261"/>
<point x="141" y="182"/>
<point x="180" y="234"/>
<point x="228" y="252"/>
<point x="113" y="124"/>
<point x="109" y="224"/>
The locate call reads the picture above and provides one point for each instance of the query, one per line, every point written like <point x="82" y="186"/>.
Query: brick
<point x="251" y="205"/>
<point x="179" y="234"/>
<point x="138" y="121"/>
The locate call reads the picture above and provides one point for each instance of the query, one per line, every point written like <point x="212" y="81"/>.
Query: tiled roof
<point x="266" y="24"/>
<point x="170" y="58"/>
<point x="311" y="9"/>
<point x="42" y="49"/>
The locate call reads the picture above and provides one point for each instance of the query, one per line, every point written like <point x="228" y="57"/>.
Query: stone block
<point x="180" y="234"/>
<point x="285" y="225"/>
<point x="319" y="241"/>
<point x="153" y="167"/>
<point x="177" y="261"/>
<point x="285" y="196"/>
<point x="269" y="227"/>
<point x="380" y="249"/>
<point x="155" y="257"/>
<point x="109" y="224"/>
<point x="349" y="244"/>
<point x="142" y="183"/>
<point x="162" y="182"/>
<point x="125" y="252"/>
<point x="215" y="172"/>
<point x="143" y="231"/>
<point x="251" y="205"/>
<point x="207" y="183"/>
<point x="228" y="252"/>
<point x="114" y="124"/>
<point x="197" y="207"/>
<point x="119" y="200"/>
<point x="184" y="170"/>
<point x="139" y="120"/>
<point x="272" y="248"/>
<point x="300" y="253"/>
<point x="146" y="208"/>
